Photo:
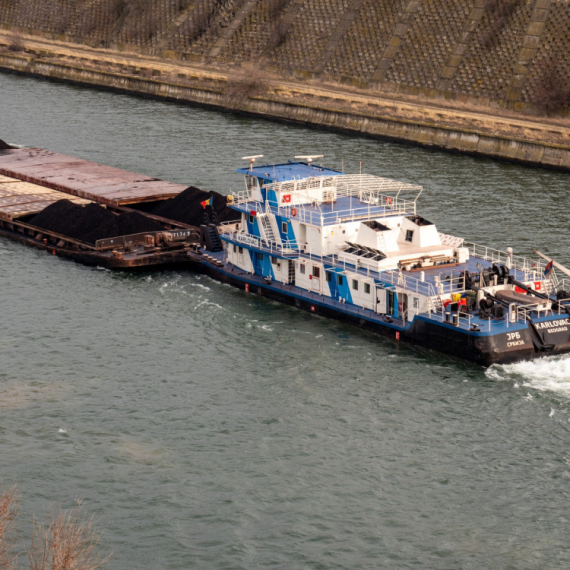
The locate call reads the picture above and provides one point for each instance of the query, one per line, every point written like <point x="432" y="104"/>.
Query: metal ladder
<point x="435" y="304"/>
<point x="267" y="229"/>
<point x="291" y="272"/>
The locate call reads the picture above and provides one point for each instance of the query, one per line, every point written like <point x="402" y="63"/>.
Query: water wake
<point x="545" y="374"/>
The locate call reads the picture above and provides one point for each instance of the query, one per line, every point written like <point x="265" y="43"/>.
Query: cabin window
<point x="302" y="268"/>
<point x="251" y="182"/>
<point x="316" y="272"/>
<point x="367" y="288"/>
<point x="409" y="235"/>
<point x="339" y="279"/>
<point x="241" y="249"/>
<point x="416" y="303"/>
<point x="235" y="248"/>
<point x="273" y="261"/>
<point x="328" y="276"/>
<point x="251" y="218"/>
<point x="284" y="227"/>
<point x="260" y="256"/>
<point x="355" y="284"/>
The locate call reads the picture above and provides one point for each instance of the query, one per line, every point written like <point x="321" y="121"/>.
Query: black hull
<point x="483" y="350"/>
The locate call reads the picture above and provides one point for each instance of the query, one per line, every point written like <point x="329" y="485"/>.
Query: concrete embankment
<point x="445" y="126"/>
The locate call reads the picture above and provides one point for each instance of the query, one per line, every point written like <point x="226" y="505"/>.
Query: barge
<point x="354" y="247"/>
<point x="32" y="180"/>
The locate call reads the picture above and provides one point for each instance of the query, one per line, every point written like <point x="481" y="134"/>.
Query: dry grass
<point x="552" y="93"/>
<point x="68" y="542"/>
<point x="16" y="43"/>
<point x="249" y="81"/>
<point x="8" y="538"/>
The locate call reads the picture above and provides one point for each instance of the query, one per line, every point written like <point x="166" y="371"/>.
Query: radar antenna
<point x="251" y="159"/>
<point x="310" y="159"/>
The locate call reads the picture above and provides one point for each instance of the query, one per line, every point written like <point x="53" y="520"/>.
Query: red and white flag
<point x="286" y="197"/>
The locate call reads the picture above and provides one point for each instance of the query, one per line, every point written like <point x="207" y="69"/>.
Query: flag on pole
<point x="548" y="268"/>
<point x="207" y="202"/>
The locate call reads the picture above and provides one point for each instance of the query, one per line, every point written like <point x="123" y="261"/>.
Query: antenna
<point x="251" y="159"/>
<point x="310" y="159"/>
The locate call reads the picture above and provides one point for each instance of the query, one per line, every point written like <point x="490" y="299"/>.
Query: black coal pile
<point x="187" y="208"/>
<point x="4" y="146"/>
<point x="92" y="222"/>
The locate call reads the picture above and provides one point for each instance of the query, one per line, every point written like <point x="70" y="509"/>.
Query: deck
<point x="84" y="179"/>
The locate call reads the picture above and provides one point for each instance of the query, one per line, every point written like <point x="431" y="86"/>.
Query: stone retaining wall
<point x="330" y="110"/>
<point x="467" y="50"/>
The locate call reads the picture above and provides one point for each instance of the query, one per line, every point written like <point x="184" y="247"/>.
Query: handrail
<point x="287" y="247"/>
<point x="520" y="263"/>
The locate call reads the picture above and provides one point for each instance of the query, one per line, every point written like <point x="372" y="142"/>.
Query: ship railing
<point x="227" y="227"/>
<point x="411" y="284"/>
<point x="243" y="196"/>
<point x="284" y="248"/>
<point x="313" y="214"/>
<point x="365" y="186"/>
<point x="524" y="312"/>
<point x="456" y="318"/>
<point x="533" y="270"/>
<point x="562" y="284"/>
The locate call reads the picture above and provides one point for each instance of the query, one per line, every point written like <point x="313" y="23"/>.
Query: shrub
<point x="275" y="7"/>
<point x="279" y="33"/>
<point x="552" y="92"/>
<point x="499" y="12"/>
<point x="248" y="82"/>
<point x="16" y="43"/>
<point x="68" y="542"/>
<point x="202" y="17"/>
<point x="8" y="514"/>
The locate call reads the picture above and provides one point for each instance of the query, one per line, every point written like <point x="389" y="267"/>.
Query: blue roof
<point x="288" y="171"/>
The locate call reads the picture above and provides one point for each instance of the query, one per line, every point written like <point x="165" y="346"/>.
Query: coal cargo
<point x="187" y="207"/>
<point x="92" y="222"/>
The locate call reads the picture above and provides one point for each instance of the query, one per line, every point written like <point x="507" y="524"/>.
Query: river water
<point x="205" y="428"/>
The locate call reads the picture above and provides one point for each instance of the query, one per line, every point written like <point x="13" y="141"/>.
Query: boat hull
<point x="481" y="348"/>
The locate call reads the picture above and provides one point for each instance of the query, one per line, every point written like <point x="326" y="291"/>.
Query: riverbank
<point x="446" y="125"/>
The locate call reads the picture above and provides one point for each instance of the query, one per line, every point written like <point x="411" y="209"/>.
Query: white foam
<point x="62" y="430"/>
<point x="545" y="374"/>
<point x="206" y="303"/>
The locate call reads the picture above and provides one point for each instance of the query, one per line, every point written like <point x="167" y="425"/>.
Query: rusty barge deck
<point x="84" y="179"/>
<point x="33" y="179"/>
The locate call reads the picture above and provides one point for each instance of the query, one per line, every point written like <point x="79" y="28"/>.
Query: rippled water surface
<point x="205" y="428"/>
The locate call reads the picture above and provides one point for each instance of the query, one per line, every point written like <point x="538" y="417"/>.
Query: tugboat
<point x="353" y="247"/>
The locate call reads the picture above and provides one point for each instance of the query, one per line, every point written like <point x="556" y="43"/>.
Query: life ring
<point x="293" y="212"/>
<point x="388" y="200"/>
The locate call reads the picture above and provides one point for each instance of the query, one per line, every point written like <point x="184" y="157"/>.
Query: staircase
<point x="211" y="238"/>
<point x="267" y="226"/>
<point x="435" y="304"/>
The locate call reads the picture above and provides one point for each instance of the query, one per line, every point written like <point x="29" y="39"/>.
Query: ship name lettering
<point x="554" y="326"/>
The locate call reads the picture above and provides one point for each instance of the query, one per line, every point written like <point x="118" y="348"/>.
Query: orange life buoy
<point x="388" y="200"/>
<point x="293" y="212"/>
